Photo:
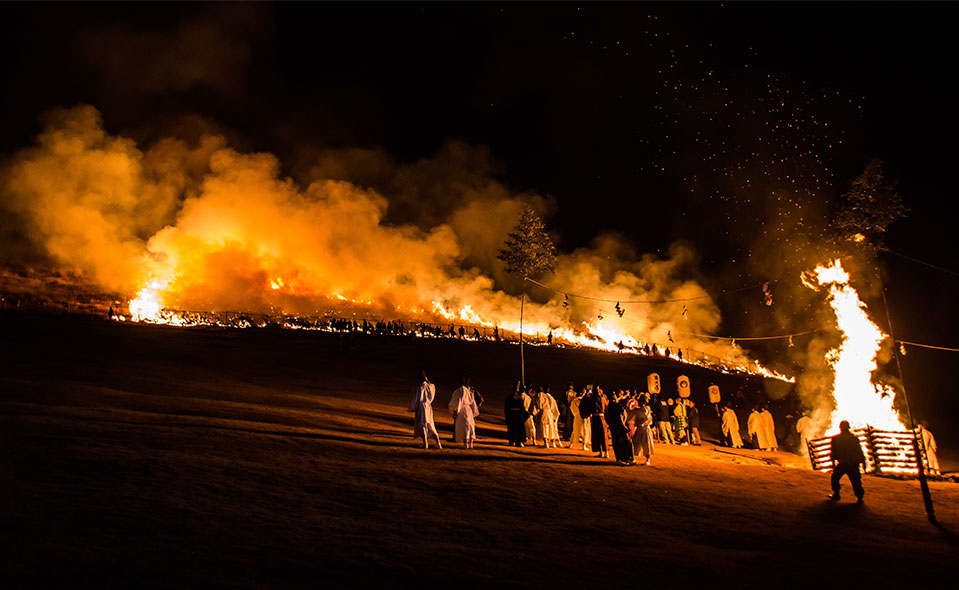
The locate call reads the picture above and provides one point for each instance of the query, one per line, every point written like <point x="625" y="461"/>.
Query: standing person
<point x="536" y="409"/>
<point x="803" y="428"/>
<point x="769" y="428"/>
<point x="551" y="424"/>
<point x="693" y="414"/>
<point x="616" y="418"/>
<point x="581" y="415"/>
<point x="529" y="426"/>
<point x="464" y="409"/>
<point x="662" y="422"/>
<point x="566" y="413"/>
<point x="929" y="443"/>
<point x="680" y="422"/>
<point x="643" y="436"/>
<point x="516" y="416"/>
<point x="545" y="412"/>
<point x="846" y="455"/>
<point x="754" y="427"/>
<point x="596" y="401"/>
<point x="731" y="428"/>
<point x="422" y="406"/>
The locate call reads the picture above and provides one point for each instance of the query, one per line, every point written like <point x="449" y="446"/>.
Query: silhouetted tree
<point x="870" y="205"/>
<point x="529" y="252"/>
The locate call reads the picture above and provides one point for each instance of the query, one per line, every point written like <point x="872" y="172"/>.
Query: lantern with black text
<point x="714" y="395"/>
<point x="682" y="384"/>
<point x="652" y="383"/>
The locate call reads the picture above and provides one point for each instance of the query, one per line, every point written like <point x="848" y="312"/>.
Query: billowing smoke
<point x="224" y="230"/>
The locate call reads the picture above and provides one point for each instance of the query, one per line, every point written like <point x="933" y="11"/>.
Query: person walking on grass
<point x="550" y="418"/>
<point x="422" y="407"/>
<point x="692" y="413"/>
<point x="616" y="418"/>
<point x="464" y="409"/>
<point x="846" y="454"/>
<point x="643" y="436"/>
<point x="580" y="433"/>
<point x="730" y="427"/>
<point x="597" y="422"/>
<point x="516" y="416"/>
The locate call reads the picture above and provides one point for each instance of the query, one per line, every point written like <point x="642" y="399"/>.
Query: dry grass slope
<point x="158" y="457"/>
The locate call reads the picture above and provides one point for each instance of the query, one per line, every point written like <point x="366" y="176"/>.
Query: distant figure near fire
<point x="803" y="428"/>
<point x="464" y="409"/>
<point x="846" y="455"/>
<point x="422" y="405"/>
<point x="929" y="443"/>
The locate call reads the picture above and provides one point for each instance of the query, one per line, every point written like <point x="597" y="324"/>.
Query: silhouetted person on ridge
<point x="846" y="455"/>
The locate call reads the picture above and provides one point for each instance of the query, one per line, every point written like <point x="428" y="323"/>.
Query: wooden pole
<point x="923" y="483"/>
<point x="522" y="360"/>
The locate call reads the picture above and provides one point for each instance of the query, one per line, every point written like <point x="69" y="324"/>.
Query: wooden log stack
<point x="888" y="452"/>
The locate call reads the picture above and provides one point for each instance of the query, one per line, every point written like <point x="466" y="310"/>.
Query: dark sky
<point x="733" y="125"/>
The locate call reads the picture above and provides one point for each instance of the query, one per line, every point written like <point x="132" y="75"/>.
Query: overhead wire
<point x="729" y="292"/>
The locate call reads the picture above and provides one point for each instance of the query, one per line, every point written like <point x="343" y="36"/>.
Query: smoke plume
<point x="218" y="229"/>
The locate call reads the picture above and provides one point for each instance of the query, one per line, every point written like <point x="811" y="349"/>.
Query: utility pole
<point x="522" y="359"/>
<point x="923" y="482"/>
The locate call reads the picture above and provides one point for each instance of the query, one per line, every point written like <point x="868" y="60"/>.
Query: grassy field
<point x="150" y="456"/>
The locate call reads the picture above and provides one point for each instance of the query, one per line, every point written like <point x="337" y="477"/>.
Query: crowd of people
<point x="628" y="423"/>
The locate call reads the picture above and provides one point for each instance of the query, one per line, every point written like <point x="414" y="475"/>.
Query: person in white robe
<point x="929" y="443"/>
<point x="643" y="436"/>
<point x="537" y="408"/>
<point x="681" y="422"/>
<point x="731" y="428"/>
<point x="754" y="427"/>
<point x="580" y="433"/>
<point x="530" y="422"/>
<point x="545" y="411"/>
<point x="803" y="429"/>
<point x="422" y="407"/>
<point x="550" y="419"/>
<point x="464" y="409"/>
<point x="769" y="430"/>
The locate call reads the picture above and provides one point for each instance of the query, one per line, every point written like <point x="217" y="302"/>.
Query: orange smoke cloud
<point x="223" y="230"/>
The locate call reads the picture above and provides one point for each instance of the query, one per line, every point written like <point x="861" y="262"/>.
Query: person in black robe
<point x="565" y="412"/>
<point x="692" y="414"/>
<point x="516" y="416"/>
<point x="596" y="402"/>
<point x="616" y="419"/>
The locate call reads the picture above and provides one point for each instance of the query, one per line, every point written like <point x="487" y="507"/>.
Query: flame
<point x="857" y="398"/>
<point x="148" y="305"/>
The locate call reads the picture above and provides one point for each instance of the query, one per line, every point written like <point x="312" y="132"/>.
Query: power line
<point x="928" y="346"/>
<point x="707" y="296"/>
<point x="917" y="261"/>
<point x="749" y="338"/>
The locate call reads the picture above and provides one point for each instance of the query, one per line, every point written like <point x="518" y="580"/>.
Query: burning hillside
<point x="197" y="225"/>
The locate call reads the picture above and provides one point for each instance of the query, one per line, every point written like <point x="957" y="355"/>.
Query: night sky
<point x="735" y="126"/>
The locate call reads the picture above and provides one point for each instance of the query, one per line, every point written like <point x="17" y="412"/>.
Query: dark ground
<point x="150" y="456"/>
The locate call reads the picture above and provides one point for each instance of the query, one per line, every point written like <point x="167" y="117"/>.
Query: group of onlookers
<point x="627" y="422"/>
